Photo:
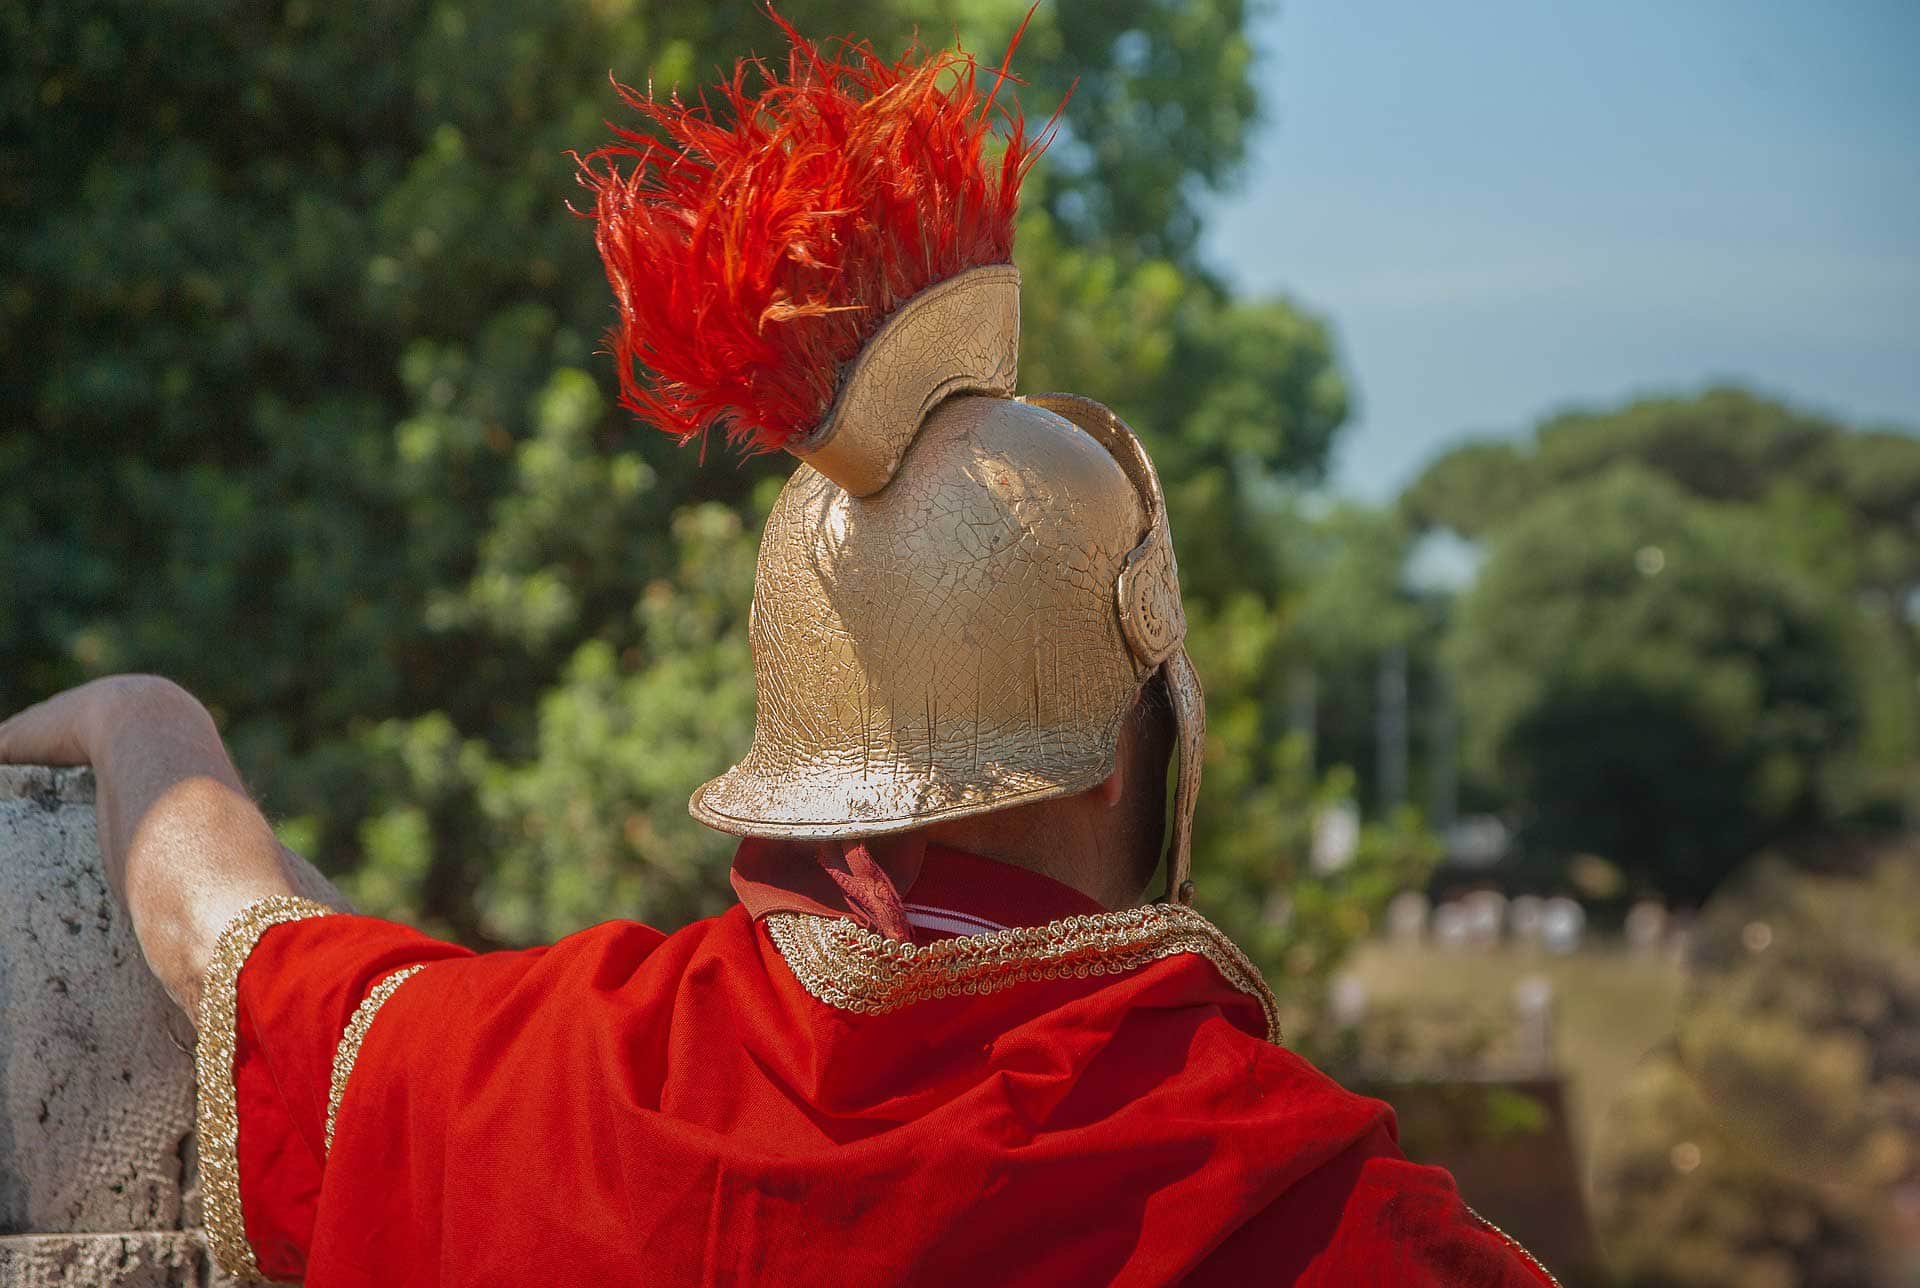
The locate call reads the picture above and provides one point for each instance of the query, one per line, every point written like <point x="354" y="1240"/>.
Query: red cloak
<point x="1081" y="1098"/>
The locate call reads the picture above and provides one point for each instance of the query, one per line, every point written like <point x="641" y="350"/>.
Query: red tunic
<point x="795" y="1100"/>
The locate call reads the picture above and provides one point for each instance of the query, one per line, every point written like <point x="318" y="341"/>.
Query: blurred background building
<point x="1535" y="387"/>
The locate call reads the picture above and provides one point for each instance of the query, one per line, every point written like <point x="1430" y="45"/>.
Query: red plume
<point x="752" y="254"/>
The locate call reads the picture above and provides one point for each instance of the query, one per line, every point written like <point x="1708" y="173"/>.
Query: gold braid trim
<point x="356" y="1032"/>
<point x="864" y="972"/>
<point x="1513" y="1243"/>
<point x="218" y="1110"/>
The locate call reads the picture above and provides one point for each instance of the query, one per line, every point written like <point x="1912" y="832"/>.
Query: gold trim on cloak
<point x="858" y="970"/>
<point x="1514" y="1244"/>
<point x="218" y="1110"/>
<point x="356" y="1033"/>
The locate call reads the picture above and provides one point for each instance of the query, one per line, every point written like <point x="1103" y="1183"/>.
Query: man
<point x="941" y="1039"/>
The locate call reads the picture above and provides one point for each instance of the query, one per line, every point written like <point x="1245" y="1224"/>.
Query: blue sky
<point x="1507" y="207"/>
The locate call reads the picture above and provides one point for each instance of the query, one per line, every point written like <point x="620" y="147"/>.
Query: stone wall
<point x="96" y="1082"/>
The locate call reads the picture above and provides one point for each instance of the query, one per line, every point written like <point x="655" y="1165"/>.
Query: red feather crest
<point x="752" y="254"/>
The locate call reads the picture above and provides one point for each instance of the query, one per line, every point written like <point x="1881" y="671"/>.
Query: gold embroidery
<point x="864" y="972"/>
<point x="218" y="1112"/>
<point x="356" y="1032"/>
<point x="1515" y="1244"/>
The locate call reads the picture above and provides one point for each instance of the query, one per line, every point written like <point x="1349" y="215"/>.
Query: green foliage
<point x="597" y="819"/>
<point x="1162" y="98"/>
<point x="1651" y="681"/>
<point x="1767" y="1143"/>
<point x="1234" y="399"/>
<point x="1722" y="445"/>
<point x="1692" y="634"/>
<point x="1253" y="836"/>
<point x="1352" y="609"/>
<point x="304" y="335"/>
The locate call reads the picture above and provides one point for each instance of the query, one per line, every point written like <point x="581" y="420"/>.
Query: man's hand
<point x="184" y="848"/>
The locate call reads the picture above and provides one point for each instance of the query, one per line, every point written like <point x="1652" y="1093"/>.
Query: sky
<point x="1507" y="207"/>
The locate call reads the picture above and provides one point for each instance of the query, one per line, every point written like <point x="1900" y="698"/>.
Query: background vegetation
<point x="1694" y="634"/>
<point x="304" y="333"/>
<point x="297" y="354"/>
<point x="1773" y="1138"/>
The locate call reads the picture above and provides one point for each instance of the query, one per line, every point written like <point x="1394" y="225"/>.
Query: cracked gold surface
<point x="958" y="336"/>
<point x="1153" y="619"/>
<point x="959" y="595"/>
<point x="948" y="645"/>
<point x="1151" y="614"/>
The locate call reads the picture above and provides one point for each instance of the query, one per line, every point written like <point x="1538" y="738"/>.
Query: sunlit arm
<point x="184" y="847"/>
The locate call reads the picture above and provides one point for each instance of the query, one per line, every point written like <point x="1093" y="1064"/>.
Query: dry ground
<point x="1610" y="1007"/>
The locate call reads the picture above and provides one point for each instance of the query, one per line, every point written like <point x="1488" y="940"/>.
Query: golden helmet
<point x="960" y="592"/>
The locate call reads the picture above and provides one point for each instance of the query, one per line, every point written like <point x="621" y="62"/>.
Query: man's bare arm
<point x="184" y="847"/>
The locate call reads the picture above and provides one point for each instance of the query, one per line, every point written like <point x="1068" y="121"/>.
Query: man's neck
<point x="1073" y="856"/>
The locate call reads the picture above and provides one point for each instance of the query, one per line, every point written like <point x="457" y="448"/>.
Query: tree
<point x="1652" y="682"/>
<point x="1844" y="501"/>
<point x="1354" y="611"/>
<point x="1724" y="444"/>
<point x="1661" y="729"/>
<point x="302" y="336"/>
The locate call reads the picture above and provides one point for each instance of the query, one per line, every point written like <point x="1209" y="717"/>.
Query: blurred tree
<point x="1847" y="501"/>
<point x="1771" y="1141"/>
<point x="1472" y="488"/>
<point x="1261" y="800"/>
<point x="300" y="335"/>
<point x="1740" y="577"/>
<point x="1724" y="444"/>
<point x="1354" y="610"/>
<point x="1652" y="682"/>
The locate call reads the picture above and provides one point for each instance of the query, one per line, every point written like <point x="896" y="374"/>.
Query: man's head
<point x="1106" y="841"/>
<point x="973" y="637"/>
<point x="961" y="594"/>
<point x="946" y="645"/>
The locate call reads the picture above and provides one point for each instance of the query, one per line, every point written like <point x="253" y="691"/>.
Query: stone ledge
<point x="97" y="1158"/>
<point x="47" y="785"/>
<point x="134" y="1259"/>
<point x="96" y="1100"/>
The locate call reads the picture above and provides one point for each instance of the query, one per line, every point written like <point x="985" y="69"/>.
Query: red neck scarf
<point x="901" y="887"/>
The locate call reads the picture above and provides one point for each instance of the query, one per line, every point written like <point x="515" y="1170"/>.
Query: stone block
<point x="97" y="1158"/>
<point x="143" y="1259"/>
<point x="96" y="1099"/>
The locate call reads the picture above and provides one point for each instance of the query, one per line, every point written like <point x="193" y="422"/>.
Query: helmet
<point x="960" y="593"/>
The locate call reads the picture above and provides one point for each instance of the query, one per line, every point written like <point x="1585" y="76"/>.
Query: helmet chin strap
<point x="1190" y="731"/>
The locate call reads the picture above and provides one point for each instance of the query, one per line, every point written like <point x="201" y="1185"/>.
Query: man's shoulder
<point x="612" y="954"/>
<point x="609" y="944"/>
